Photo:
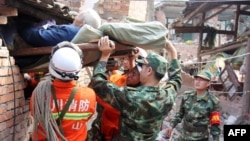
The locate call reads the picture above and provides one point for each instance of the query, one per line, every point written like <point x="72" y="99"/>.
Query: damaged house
<point x="221" y="31"/>
<point x="19" y="58"/>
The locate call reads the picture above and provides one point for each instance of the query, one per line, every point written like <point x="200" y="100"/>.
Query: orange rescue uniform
<point x="80" y="111"/>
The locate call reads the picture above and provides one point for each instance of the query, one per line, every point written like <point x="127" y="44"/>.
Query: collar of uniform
<point x="64" y="84"/>
<point x="202" y="97"/>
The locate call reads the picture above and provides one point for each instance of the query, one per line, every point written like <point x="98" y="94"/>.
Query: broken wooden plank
<point x="216" y="13"/>
<point x="224" y="48"/>
<point x="197" y="29"/>
<point x="191" y="15"/>
<point x="8" y="11"/>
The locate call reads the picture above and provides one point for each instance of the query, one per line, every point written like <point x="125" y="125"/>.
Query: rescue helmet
<point x="66" y="61"/>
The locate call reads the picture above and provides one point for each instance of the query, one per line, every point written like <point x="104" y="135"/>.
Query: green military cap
<point x="204" y="74"/>
<point x="158" y="63"/>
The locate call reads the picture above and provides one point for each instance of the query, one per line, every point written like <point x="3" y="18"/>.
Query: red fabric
<point x="215" y="118"/>
<point x="110" y="120"/>
<point x="84" y="102"/>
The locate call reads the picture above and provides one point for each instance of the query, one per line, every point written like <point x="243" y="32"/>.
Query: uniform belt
<point x="191" y="128"/>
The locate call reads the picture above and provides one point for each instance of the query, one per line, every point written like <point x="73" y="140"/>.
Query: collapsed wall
<point x="14" y="109"/>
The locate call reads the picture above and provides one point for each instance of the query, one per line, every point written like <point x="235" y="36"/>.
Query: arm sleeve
<point x="174" y="73"/>
<point x="215" y="128"/>
<point x="178" y="116"/>
<point x="105" y="89"/>
<point x="51" y="36"/>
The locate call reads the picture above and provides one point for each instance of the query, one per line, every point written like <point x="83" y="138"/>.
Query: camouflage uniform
<point x="195" y="112"/>
<point x="143" y="108"/>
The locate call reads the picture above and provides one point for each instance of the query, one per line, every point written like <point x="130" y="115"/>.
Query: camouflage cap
<point x="204" y="74"/>
<point x="157" y="62"/>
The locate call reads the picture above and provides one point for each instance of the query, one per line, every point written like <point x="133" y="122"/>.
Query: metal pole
<point x="246" y="87"/>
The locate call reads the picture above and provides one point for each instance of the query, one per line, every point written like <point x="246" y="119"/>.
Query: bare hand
<point x="105" y="45"/>
<point x="169" y="131"/>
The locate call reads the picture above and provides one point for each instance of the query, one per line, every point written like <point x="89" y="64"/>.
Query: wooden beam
<point x="191" y="15"/>
<point x="47" y="50"/>
<point x="216" y="13"/>
<point x="3" y="20"/>
<point x="197" y="30"/>
<point x="246" y="86"/>
<point x="200" y="42"/>
<point x="2" y="2"/>
<point x="241" y="12"/>
<point x="224" y="48"/>
<point x="236" y="22"/>
<point x="8" y="11"/>
<point x="245" y="7"/>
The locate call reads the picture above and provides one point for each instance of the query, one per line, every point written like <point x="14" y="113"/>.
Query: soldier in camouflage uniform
<point x="143" y="108"/>
<point x="198" y="111"/>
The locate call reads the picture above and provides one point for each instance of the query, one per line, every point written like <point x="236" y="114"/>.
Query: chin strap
<point x="70" y="75"/>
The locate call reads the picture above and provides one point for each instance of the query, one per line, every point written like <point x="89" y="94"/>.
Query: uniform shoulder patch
<point x="188" y="94"/>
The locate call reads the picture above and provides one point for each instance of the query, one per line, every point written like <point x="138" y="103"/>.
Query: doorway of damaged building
<point x="21" y="65"/>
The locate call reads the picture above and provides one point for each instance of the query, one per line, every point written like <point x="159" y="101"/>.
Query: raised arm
<point x="106" y="47"/>
<point x="171" y="49"/>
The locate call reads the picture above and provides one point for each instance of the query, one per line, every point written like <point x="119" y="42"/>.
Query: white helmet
<point x="66" y="61"/>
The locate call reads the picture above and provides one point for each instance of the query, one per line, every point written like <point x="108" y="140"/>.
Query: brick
<point x="3" y="108"/>
<point x="20" y="135"/>
<point x="2" y="118"/>
<point x="4" y="52"/>
<point x="6" y="70"/>
<point x="21" y="102"/>
<point x="6" y="116"/>
<point x="9" y="123"/>
<point x="2" y="126"/>
<point x="5" y="134"/>
<point x="116" y="7"/>
<point x="18" y="111"/>
<point x="10" y="105"/>
<point x="26" y="108"/>
<point x="7" y="61"/>
<point x="6" y="98"/>
<point x="5" y="80"/>
<point x="19" y="118"/>
<point x="19" y="86"/>
<point x="19" y="94"/>
<point x="107" y="6"/>
<point x="6" y="89"/>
